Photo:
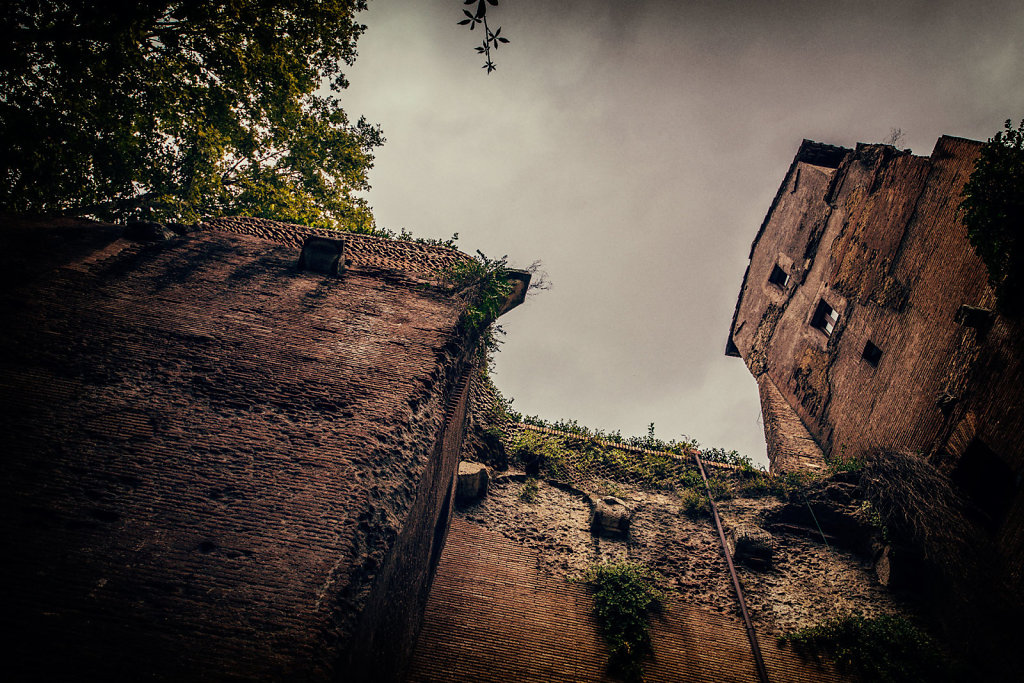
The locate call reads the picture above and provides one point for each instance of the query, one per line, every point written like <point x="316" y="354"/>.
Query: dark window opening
<point x="871" y="354"/>
<point x="323" y="255"/>
<point x="980" y="319"/>
<point x="987" y="481"/>
<point x="825" y="318"/>
<point x="779" y="277"/>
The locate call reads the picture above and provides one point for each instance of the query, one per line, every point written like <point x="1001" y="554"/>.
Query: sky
<point x="634" y="149"/>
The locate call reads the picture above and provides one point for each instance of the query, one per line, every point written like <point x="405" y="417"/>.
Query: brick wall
<point x="495" y="616"/>
<point x="382" y="646"/>
<point x="792" y="447"/>
<point x="210" y="457"/>
<point x="877" y="237"/>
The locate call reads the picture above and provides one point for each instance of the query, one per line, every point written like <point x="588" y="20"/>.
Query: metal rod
<point x="815" y="518"/>
<point x="762" y="672"/>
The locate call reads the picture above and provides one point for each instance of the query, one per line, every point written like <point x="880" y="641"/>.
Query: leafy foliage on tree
<point x="993" y="211"/>
<point x="171" y="109"/>
<point x="492" y="39"/>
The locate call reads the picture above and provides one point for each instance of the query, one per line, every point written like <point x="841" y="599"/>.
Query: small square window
<point x="779" y="277"/>
<point x="871" y="354"/>
<point x="825" y="318"/>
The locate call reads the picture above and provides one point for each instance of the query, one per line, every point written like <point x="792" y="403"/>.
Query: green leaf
<point x="178" y="110"/>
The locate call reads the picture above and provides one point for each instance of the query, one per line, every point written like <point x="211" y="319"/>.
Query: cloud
<point x="635" y="148"/>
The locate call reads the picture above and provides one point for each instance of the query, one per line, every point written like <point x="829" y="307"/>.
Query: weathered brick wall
<point x="485" y="423"/>
<point x="382" y="645"/>
<point x="210" y="457"/>
<point x="496" y="615"/>
<point x="367" y="251"/>
<point x="878" y="237"/>
<point x="792" y="447"/>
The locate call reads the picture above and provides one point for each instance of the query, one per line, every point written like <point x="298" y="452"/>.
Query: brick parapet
<point x="425" y="260"/>
<point x="621" y="446"/>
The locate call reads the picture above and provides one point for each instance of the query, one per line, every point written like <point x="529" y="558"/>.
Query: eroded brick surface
<point x="875" y="233"/>
<point x="496" y="615"/>
<point x="209" y="455"/>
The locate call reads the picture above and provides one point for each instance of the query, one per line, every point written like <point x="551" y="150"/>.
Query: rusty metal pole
<point x="762" y="672"/>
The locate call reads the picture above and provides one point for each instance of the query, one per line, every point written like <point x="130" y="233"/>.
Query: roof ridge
<point x="360" y="250"/>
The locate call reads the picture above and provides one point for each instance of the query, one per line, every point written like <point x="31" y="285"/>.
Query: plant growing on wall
<point x="693" y="503"/>
<point x="560" y="458"/>
<point x="528" y="493"/>
<point x="885" y="648"/>
<point x="625" y="593"/>
<point x="993" y="212"/>
<point x="485" y="286"/>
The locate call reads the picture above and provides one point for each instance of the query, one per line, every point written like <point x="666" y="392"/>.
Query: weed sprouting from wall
<point x="486" y="285"/>
<point x="574" y="460"/>
<point x="681" y="446"/>
<point x="885" y="648"/>
<point x="590" y="463"/>
<point x="528" y="493"/>
<point x="843" y="462"/>
<point x="693" y="503"/>
<point x="624" y="595"/>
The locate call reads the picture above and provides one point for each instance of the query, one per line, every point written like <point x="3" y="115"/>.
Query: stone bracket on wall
<point x="520" y="281"/>
<point x="323" y="255"/>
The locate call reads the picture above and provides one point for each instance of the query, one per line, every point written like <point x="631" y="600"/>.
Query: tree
<point x="993" y="212"/>
<point x="174" y="109"/>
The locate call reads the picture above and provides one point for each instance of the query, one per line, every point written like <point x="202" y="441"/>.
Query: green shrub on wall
<point x="693" y="503"/>
<point x="624" y="595"/>
<point x="529" y="492"/>
<point x="488" y="281"/>
<point x="993" y="212"/>
<point x="885" y="648"/>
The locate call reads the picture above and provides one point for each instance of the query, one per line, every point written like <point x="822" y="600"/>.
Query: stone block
<point x="147" y="231"/>
<point x="897" y="567"/>
<point x="323" y="255"/>
<point x="609" y="516"/>
<point x="751" y="546"/>
<point x="472" y="483"/>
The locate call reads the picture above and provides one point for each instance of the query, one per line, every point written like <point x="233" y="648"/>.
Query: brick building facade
<point x="867" y="319"/>
<point x="218" y="465"/>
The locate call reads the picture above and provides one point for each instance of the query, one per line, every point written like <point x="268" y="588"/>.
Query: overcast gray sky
<point x="634" y="147"/>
